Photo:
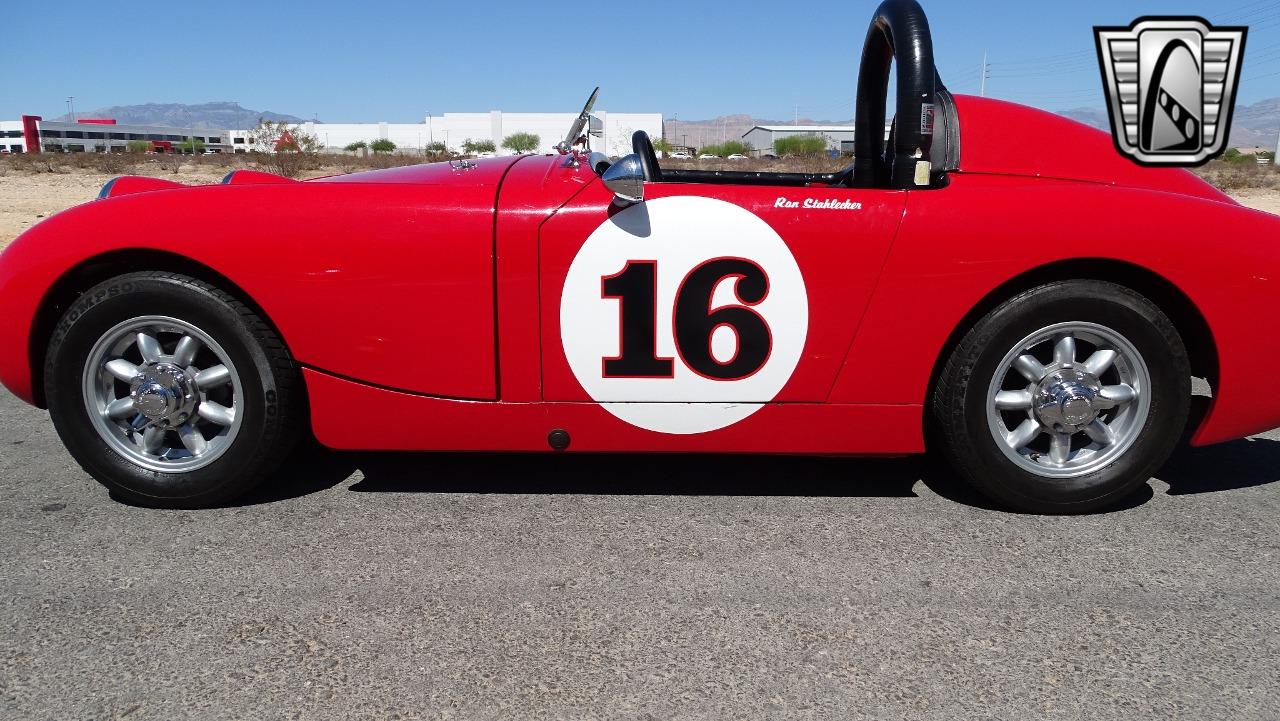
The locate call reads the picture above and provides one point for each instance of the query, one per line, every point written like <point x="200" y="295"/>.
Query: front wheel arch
<point x="92" y="271"/>
<point x="1186" y="317"/>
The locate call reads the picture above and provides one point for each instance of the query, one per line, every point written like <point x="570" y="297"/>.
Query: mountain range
<point x="1255" y="125"/>
<point x="224" y="115"/>
<point x="1252" y="126"/>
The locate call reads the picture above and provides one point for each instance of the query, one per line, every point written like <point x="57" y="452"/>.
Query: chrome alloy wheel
<point x="1068" y="399"/>
<point x="163" y="394"/>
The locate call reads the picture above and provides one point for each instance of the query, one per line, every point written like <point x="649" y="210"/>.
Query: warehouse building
<point x="32" y="134"/>
<point x="838" y="137"/>
<point x="455" y="129"/>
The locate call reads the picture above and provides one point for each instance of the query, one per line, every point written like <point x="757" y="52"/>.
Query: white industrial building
<point x="454" y="129"/>
<point x="31" y="134"/>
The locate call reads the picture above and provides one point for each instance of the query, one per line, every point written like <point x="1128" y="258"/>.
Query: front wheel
<point x="1065" y="398"/>
<point x="169" y="391"/>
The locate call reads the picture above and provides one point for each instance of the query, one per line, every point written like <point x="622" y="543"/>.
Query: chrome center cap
<point x="1064" y="400"/>
<point x="163" y="394"/>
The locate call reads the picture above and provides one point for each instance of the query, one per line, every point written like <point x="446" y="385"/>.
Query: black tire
<point x="271" y="404"/>
<point x="960" y="412"/>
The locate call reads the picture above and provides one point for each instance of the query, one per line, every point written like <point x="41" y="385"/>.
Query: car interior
<point x="899" y="33"/>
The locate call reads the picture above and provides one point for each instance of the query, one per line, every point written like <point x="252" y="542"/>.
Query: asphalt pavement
<point x="635" y="587"/>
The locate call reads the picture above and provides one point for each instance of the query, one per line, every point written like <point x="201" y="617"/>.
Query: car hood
<point x="1003" y="138"/>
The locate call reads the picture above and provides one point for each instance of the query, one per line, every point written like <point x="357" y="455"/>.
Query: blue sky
<point x="397" y="61"/>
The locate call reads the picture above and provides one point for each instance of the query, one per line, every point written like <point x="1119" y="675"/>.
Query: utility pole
<point x="796" y="120"/>
<point x="982" y="87"/>
<point x="71" y="107"/>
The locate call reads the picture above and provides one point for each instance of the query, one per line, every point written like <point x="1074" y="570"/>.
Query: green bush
<point x="138" y="146"/>
<point x="522" y="142"/>
<point x="475" y="147"/>
<point x="728" y="148"/>
<point x="800" y="145"/>
<point x="382" y="145"/>
<point x="358" y="145"/>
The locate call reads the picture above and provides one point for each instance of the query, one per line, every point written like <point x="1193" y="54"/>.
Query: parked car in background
<point x="736" y="156"/>
<point x="708" y="156"/>
<point x="678" y="155"/>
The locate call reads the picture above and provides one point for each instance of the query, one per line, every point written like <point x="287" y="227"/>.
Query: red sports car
<point x="993" y="281"/>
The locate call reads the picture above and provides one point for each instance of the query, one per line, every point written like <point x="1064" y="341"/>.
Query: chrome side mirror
<point x="625" y="178"/>
<point x="596" y="127"/>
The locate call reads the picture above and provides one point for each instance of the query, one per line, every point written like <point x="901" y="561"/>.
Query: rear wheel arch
<point x="91" y="271"/>
<point x="1171" y="300"/>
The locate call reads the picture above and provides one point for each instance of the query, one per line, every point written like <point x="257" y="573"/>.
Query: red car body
<point x="427" y="298"/>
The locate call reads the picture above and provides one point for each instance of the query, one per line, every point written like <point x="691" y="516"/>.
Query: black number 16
<point x="693" y="320"/>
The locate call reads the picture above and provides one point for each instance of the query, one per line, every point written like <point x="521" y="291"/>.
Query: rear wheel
<point x="169" y="391"/>
<point x="1064" y="398"/>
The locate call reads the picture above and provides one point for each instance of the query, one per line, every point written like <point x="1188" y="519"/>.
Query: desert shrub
<point x="727" y="148"/>
<point x="382" y="145"/>
<point x="800" y="145"/>
<point x="475" y="147"/>
<point x="291" y="149"/>
<point x="138" y="146"/>
<point x="358" y="145"/>
<point x="522" y="142"/>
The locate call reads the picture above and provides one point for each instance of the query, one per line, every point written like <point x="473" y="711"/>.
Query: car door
<point x="706" y="293"/>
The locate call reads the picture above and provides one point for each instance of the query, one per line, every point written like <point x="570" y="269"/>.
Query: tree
<point x="436" y="148"/>
<point x="138" y="146"/>
<point x="661" y="145"/>
<point x="475" y="147"/>
<point x="808" y="144"/>
<point x="288" y="148"/>
<point x="356" y="146"/>
<point x="522" y="142"/>
<point x="194" y="146"/>
<point x="382" y="145"/>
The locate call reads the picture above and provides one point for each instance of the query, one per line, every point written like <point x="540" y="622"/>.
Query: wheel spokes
<point x="152" y="439"/>
<point x="1013" y="400"/>
<point x="150" y="348"/>
<point x="1064" y="351"/>
<point x="1100" y="433"/>
<point x="122" y="369"/>
<point x="185" y="352"/>
<point x="213" y="377"/>
<point x="1100" y="361"/>
<point x="121" y="408"/>
<point x="192" y="439"/>
<point x="1117" y="395"/>
<point x="1026" y="432"/>
<point x="1060" y="448"/>
<point x="215" y="413"/>
<point x="1029" y="367"/>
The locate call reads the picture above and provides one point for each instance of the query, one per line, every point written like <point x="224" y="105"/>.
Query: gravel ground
<point x="476" y="587"/>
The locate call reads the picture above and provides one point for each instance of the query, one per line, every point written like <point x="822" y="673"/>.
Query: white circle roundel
<point x="683" y="314"/>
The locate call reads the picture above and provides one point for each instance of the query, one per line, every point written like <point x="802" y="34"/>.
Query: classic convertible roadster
<point x="993" y="282"/>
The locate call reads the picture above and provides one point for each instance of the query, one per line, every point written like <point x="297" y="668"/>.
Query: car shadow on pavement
<point x="637" y="474"/>
<point x="1229" y="466"/>
<point x="1224" y="467"/>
